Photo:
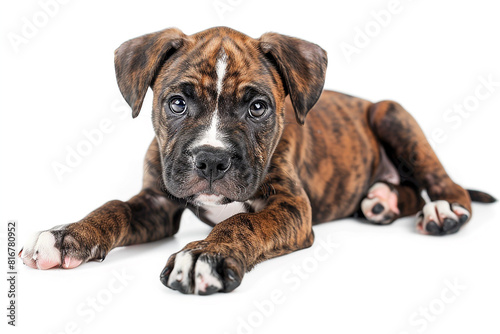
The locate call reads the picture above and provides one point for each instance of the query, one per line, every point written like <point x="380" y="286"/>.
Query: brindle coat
<point x="289" y="173"/>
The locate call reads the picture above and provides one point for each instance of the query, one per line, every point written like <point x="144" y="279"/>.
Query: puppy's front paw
<point x="57" y="247"/>
<point x="441" y="218"/>
<point x="201" y="271"/>
<point x="380" y="206"/>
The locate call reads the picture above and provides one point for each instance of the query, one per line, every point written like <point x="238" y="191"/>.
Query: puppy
<point x="232" y="144"/>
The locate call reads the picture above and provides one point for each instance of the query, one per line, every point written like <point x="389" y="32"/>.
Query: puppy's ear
<point x="138" y="60"/>
<point x="302" y="66"/>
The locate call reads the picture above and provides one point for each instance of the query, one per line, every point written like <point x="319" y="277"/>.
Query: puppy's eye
<point x="177" y="105"/>
<point x="257" y="108"/>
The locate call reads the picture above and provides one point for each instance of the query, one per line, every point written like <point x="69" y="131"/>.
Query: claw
<point x="432" y="227"/>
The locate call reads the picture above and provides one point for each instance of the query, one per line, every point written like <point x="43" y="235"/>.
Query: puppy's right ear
<point x="138" y="60"/>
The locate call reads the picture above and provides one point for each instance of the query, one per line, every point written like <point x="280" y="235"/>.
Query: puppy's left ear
<point x="302" y="66"/>
<point x="138" y="60"/>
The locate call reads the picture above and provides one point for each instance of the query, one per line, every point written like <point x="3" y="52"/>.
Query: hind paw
<point x="381" y="204"/>
<point x="441" y="218"/>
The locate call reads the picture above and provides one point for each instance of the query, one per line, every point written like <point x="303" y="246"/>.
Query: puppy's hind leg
<point x="405" y="144"/>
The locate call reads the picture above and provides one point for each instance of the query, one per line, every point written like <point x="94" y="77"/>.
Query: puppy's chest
<point x="218" y="213"/>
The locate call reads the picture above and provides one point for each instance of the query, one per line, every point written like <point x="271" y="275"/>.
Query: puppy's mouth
<point x="203" y="194"/>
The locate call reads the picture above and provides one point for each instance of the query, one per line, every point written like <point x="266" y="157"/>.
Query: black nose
<point x="213" y="164"/>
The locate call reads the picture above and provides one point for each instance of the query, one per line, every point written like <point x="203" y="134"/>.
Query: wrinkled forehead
<point x="210" y="65"/>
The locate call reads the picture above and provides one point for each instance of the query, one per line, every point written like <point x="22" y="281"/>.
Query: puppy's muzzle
<point x="212" y="164"/>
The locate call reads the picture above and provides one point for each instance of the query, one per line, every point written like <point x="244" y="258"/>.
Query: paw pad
<point x="380" y="206"/>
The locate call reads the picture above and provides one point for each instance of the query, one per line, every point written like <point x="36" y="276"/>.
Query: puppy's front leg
<point x="234" y="246"/>
<point x="148" y="216"/>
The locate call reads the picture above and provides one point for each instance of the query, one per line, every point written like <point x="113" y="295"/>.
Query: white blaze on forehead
<point x="212" y="137"/>
<point x="220" y="69"/>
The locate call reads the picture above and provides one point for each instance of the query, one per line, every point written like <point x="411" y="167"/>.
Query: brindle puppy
<point x="227" y="135"/>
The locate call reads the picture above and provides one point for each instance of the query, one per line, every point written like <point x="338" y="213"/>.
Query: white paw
<point x="41" y="252"/>
<point x="441" y="217"/>
<point x="205" y="280"/>
<point x="180" y="277"/>
<point x="381" y="204"/>
<point x="200" y="271"/>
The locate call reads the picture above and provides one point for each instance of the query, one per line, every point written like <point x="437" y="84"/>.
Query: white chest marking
<point x="218" y="213"/>
<point x="212" y="137"/>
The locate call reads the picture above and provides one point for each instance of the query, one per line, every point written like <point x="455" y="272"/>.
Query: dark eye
<point x="177" y="105"/>
<point x="257" y="108"/>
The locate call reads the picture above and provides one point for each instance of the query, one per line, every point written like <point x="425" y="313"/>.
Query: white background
<point x="61" y="82"/>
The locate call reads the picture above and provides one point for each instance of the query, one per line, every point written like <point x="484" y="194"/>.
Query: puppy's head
<point x="218" y="109"/>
